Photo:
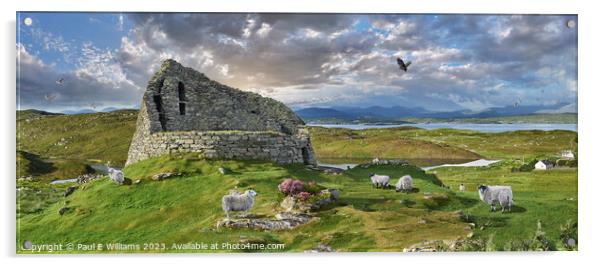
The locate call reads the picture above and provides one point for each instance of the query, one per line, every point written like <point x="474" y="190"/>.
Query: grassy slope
<point x="186" y="208"/>
<point x="411" y="142"/>
<point x="371" y="219"/>
<point x="100" y="136"/>
<point x="382" y="143"/>
<point x="503" y="145"/>
<point x="547" y="196"/>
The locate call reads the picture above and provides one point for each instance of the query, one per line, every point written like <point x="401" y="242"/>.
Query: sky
<point x="74" y="61"/>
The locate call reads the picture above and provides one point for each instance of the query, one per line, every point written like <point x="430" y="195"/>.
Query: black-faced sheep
<point x="238" y="202"/>
<point x="380" y="180"/>
<point x="493" y="195"/>
<point x="404" y="183"/>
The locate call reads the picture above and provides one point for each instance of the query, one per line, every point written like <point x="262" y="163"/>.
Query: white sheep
<point x="238" y="202"/>
<point x="382" y="180"/>
<point x="404" y="183"/>
<point x="496" y="194"/>
<point x="116" y="175"/>
<point x="461" y="187"/>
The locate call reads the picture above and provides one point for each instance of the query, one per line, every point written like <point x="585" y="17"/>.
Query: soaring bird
<point x="403" y="66"/>
<point x="49" y="97"/>
<point x="60" y="81"/>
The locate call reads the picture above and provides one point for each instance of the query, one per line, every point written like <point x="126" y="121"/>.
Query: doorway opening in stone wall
<point x="305" y="154"/>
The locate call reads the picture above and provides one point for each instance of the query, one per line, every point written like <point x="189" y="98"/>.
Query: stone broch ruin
<point x="184" y="111"/>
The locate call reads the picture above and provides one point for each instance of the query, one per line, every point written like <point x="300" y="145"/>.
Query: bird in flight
<point x="403" y="66"/>
<point x="49" y="97"/>
<point x="60" y="81"/>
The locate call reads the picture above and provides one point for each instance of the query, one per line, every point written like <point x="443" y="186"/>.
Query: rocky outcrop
<point x="282" y="221"/>
<point x="184" y="111"/>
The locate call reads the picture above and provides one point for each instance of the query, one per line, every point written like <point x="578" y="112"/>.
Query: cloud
<point x="459" y="61"/>
<point x="38" y="86"/>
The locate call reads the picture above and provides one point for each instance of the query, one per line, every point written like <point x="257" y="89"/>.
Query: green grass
<point x="186" y="208"/>
<point x="382" y="143"/>
<point x="546" y="196"/>
<point x="99" y="136"/>
<point x="411" y="142"/>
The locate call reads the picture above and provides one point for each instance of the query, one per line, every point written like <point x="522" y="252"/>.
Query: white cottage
<point x="543" y="165"/>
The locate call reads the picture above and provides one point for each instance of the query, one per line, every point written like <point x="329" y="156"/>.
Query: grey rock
<point x="282" y="221"/>
<point x="161" y="176"/>
<point x="320" y="248"/>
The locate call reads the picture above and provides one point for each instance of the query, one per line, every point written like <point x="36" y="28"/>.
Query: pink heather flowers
<point x="291" y="186"/>
<point x="303" y="196"/>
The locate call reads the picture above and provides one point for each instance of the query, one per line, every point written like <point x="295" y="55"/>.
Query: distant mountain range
<point x="398" y="112"/>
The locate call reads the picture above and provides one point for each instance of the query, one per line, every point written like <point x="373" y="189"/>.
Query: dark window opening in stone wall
<point x="182" y="108"/>
<point x="285" y="130"/>
<point x="182" y="97"/>
<point x="305" y="154"/>
<point x="159" y="105"/>
<point x="181" y="92"/>
<point x="161" y="81"/>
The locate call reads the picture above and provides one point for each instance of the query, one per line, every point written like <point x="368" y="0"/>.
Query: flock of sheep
<point x="234" y="201"/>
<point x="492" y="195"/>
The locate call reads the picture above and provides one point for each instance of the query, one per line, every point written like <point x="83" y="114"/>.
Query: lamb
<point x="382" y="180"/>
<point x="238" y="202"/>
<point x="496" y="194"/>
<point x="404" y="183"/>
<point x="116" y="175"/>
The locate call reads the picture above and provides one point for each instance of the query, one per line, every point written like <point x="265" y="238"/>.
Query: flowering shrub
<point x="303" y="196"/>
<point x="291" y="186"/>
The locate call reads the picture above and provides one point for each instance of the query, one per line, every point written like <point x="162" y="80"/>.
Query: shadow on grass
<point x="363" y="204"/>
<point x="517" y="209"/>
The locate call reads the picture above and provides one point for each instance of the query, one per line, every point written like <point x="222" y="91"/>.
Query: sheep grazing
<point x="496" y="194"/>
<point x="404" y="183"/>
<point x="116" y="175"/>
<point x="461" y="187"/>
<point x="379" y="180"/>
<point x="238" y="202"/>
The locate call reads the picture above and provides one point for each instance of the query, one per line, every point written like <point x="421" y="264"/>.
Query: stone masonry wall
<point x="274" y="146"/>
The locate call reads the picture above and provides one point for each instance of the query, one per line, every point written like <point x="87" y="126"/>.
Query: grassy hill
<point x="186" y="208"/>
<point x="383" y="143"/>
<point x="97" y="136"/>
<point x="411" y="142"/>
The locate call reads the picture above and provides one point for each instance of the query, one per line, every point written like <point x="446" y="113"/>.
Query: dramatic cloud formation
<point x="458" y="61"/>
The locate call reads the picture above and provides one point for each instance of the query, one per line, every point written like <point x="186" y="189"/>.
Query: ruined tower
<point x="184" y="111"/>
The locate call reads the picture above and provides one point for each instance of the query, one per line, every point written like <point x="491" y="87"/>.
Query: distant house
<point x="567" y="154"/>
<point x="544" y="165"/>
